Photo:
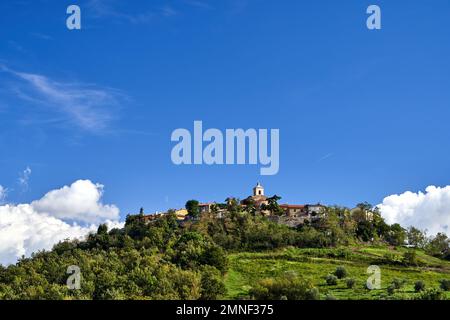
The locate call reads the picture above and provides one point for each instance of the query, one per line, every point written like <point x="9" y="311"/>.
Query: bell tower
<point x="258" y="190"/>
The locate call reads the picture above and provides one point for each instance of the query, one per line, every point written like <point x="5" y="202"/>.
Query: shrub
<point x="330" y="297"/>
<point x="313" y="294"/>
<point x="410" y="258"/>
<point x="212" y="283"/>
<point x="331" y="280"/>
<point x="398" y="283"/>
<point x="419" y="286"/>
<point x="445" y="284"/>
<point x="350" y="283"/>
<point x="340" y="272"/>
<point x="391" y="289"/>
<point x="288" y="287"/>
<point x="430" y="294"/>
<point x="392" y="259"/>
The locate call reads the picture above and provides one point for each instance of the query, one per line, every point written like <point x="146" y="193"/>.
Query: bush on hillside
<point x="331" y="280"/>
<point x="445" y="284"/>
<point x="419" y="286"/>
<point x="340" y="272"/>
<point x="350" y="283"/>
<point x="430" y="294"/>
<point x="398" y="283"/>
<point x="286" y="287"/>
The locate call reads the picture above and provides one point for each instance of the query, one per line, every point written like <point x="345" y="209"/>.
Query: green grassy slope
<point x="247" y="268"/>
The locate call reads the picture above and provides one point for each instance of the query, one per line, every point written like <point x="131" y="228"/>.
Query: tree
<point x="416" y="237"/>
<point x="438" y="246"/>
<point x="193" y="208"/>
<point x="365" y="230"/>
<point x="102" y="229"/>
<point x="364" y="206"/>
<point x="212" y="284"/>
<point x="232" y="205"/>
<point x="396" y="235"/>
<point x="273" y="205"/>
<point x="250" y="205"/>
<point x="381" y="227"/>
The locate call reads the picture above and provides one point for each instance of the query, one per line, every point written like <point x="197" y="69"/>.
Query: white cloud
<point x="429" y="210"/>
<point x="79" y="202"/>
<point x="87" y="106"/>
<point x="27" y="228"/>
<point x="24" y="178"/>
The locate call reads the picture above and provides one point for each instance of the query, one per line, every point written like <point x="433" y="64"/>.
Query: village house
<point x="294" y="214"/>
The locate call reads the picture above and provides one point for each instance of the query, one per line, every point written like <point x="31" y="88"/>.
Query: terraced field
<point x="315" y="264"/>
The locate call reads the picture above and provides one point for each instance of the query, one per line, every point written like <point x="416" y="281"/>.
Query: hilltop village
<point x="288" y="214"/>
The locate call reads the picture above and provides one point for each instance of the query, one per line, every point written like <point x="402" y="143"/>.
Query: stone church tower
<point x="258" y="190"/>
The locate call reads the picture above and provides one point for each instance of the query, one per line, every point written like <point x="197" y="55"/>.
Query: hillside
<point x="241" y="255"/>
<point x="315" y="264"/>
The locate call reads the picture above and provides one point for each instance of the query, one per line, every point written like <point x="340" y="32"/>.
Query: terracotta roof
<point x="292" y="206"/>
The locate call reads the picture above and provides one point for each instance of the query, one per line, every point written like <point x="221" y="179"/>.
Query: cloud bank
<point x="428" y="210"/>
<point x="27" y="228"/>
<point x="79" y="202"/>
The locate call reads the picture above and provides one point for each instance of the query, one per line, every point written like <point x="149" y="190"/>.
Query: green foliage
<point x="286" y="287"/>
<point x="396" y="236"/>
<point x="168" y="259"/>
<point x="193" y="250"/>
<point x="193" y="208"/>
<point x="445" y="284"/>
<point x="398" y="283"/>
<point x="248" y="268"/>
<point x="419" y="286"/>
<point x="430" y="294"/>
<point x="350" y="283"/>
<point x="391" y="289"/>
<point x="416" y="237"/>
<point x="273" y="206"/>
<point x="438" y="246"/>
<point x="392" y="259"/>
<point x="102" y="229"/>
<point x="365" y="231"/>
<point x="331" y="280"/>
<point x="212" y="286"/>
<point x="340" y="272"/>
<point x="410" y="258"/>
<point x="313" y="294"/>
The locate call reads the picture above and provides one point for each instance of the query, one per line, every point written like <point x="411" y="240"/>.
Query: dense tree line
<point x="169" y="259"/>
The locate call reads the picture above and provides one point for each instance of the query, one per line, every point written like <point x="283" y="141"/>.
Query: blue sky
<point x="362" y="114"/>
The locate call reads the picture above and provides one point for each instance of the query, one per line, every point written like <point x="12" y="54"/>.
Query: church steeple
<point x="258" y="190"/>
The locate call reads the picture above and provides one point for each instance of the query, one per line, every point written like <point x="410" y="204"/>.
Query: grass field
<point x="315" y="264"/>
